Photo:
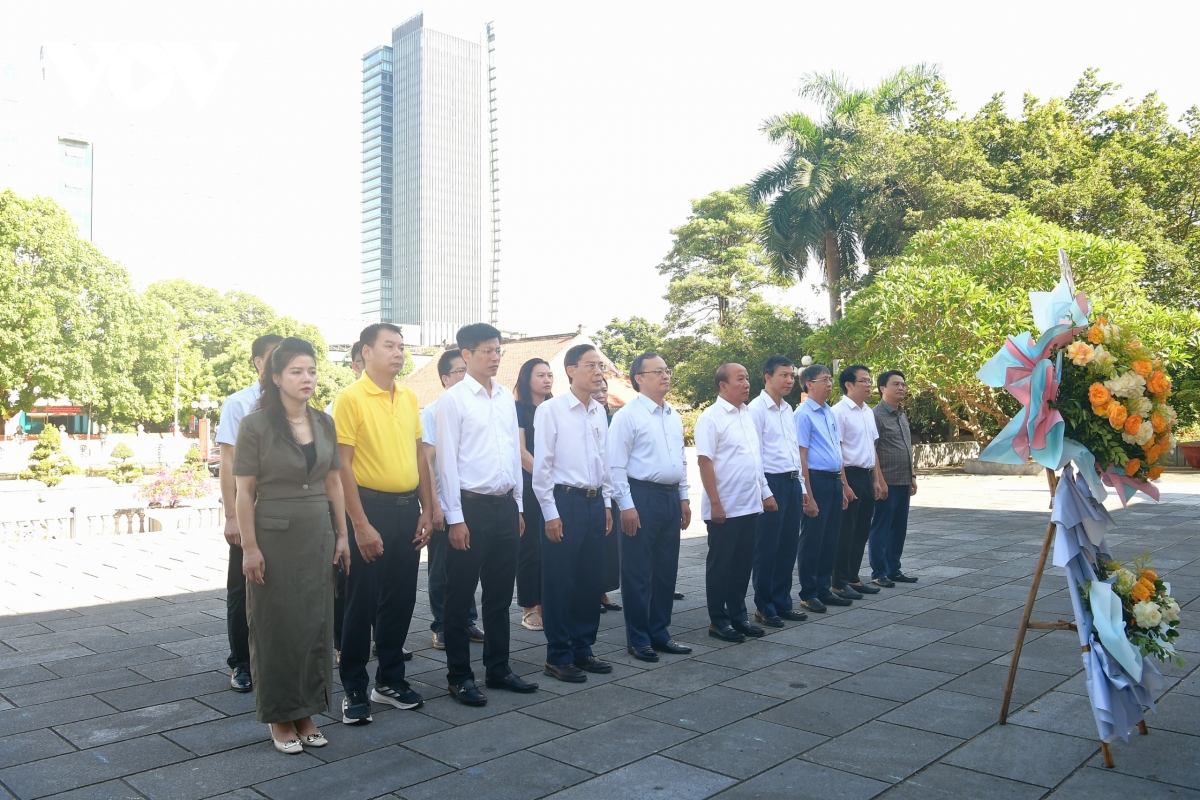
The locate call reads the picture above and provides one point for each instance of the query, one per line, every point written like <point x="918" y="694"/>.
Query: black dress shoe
<point x="468" y="693"/>
<point x="793" y="616"/>
<point x="772" y="621"/>
<point x="593" y="664"/>
<point x="609" y="607"/>
<point x="673" y="647"/>
<point x="405" y="654"/>
<point x="884" y="582"/>
<point x="864" y="588"/>
<point x="726" y="634"/>
<point x="814" y="605"/>
<point x="833" y="600"/>
<point x="643" y="653"/>
<point x="745" y="628"/>
<point x="565" y="672"/>
<point x="239" y="680"/>
<point x="678" y="595"/>
<point x="900" y="577"/>
<point x="847" y="592"/>
<point x="512" y="682"/>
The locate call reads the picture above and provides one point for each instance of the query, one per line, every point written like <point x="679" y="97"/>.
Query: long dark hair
<point x="524" y="378"/>
<point x="272" y="400"/>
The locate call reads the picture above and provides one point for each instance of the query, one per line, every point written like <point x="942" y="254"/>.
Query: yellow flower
<point x="1098" y="394"/>
<point x="1133" y="424"/>
<point x="1096" y="334"/>
<point x="1117" y="415"/>
<point x="1132" y="466"/>
<point x="1140" y="592"/>
<point x="1149" y="575"/>
<point x="1142" y="368"/>
<point x="1155" y="473"/>
<point x="1080" y="353"/>
<point x="1101" y="411"/>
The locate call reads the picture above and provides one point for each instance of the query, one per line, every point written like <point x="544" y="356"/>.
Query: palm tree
<point x="814" y="204"/>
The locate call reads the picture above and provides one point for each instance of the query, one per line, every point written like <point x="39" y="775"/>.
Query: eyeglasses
<point x="459" y="371"/>
<point x="491" y="351"/>
<point x="864" y="381"/>
<point x="659" y="372"/>
<point x="591" y="366"/>
<point x="826" y="379"/>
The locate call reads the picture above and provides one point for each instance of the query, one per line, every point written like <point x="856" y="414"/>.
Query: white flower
<point x="1125" y="581"/>
<point x="1140" y="405"/>
<point x="1126" y="385"/>
<point x="1103" y="361"/>
<point x="1147" y="615"/>
<point x="1170" y="613"/>
<point x="1145" y="433"/>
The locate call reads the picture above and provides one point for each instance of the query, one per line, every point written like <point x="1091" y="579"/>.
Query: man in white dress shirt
<point x="649" y="475"/>
<point x="856" y="421"/>
<point x="571" y="479"/>
<point x="778" y="534"/>
<point x="479" y="487"/>
<point x="735" y="493"/>
<point x="236" y="406"/>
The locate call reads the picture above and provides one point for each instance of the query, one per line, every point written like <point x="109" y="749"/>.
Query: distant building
<point x="422" y="172"/>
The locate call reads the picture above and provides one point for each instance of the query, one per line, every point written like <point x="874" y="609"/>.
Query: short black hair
<point x="775" y="362"/>
<point x="811" y="373"/>
<point x="371" y="333"/>
<point x="264" y="344"/>
<point x="635" y="368"/>
<point x="573" y="355"/>
<point x="356" y="351"/>
<point x="850" y="375"/>
<point x="471" y="336"/>
<point x="883" y="379"/>
<point x="445" y="360"/>
<point x="722" y="374"/>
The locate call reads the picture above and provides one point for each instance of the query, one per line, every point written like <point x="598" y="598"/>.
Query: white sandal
<point x="288" y="748"/>
<point x="315" y="740"/>
<point x="529" y="623"/>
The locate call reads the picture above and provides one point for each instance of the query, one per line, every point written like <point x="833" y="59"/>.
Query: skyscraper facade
<point x="422" y="222"/>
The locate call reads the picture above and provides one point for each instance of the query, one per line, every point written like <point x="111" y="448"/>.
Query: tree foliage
<point x="48" y="462"/>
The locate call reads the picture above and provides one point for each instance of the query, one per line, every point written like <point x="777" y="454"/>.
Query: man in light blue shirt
<point x="820" y="443"/>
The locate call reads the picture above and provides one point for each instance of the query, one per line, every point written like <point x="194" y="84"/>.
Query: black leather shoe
<point x="593" y="664"/>
<point x="847" y="592"/>
<point x="833" y="600"/>
<point x="793" y="616"/>
<point x="405" y="654"/>
<point x="900" y="577"/>
<point x="884" y="582"/>
<point x="772" y="621"/>
<point x="752" y="631"/>
<point x="643" y="653"/>
<point x="673" y="647"/>
<point x="239" y="680"/>
<point x="814" y="605"/>
<point x="512" y="682"/>
<point x="678" y="595"/>
<point x="727" y="634"/>
<point x="864" y="588"/>
<point x="565" y="672"/>
<point x="468" y="693"/>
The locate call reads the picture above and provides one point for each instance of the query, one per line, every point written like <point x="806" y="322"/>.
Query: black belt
<point x="562" y="487"/>
<point x="824" y="473"/>
<point x="789" y="476"/>
<point x="390" y="498"/>
<point x="662" y="487"/>
<point x="859" y="469"/>
<point x="495" y="499"/>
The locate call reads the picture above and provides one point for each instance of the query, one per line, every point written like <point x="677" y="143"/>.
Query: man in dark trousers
<point x="649" y="474"/>
<point x="479" y="480"/>
<point x="856" y="422"/>
<point x="890" y="525"/>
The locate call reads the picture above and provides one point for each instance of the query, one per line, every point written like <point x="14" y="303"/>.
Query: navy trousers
<point x="435" y="569"/>
<point x="888" y="530"/>
<point x="382" y="593"/>
<point x="529" y="560"/>
<point x="778" y="536"/>
<point x="649" y="563"/>
<point x="572" y="575"/>
<point x="727" y="568"/>
<point x="856" y="526"/>
<point x="236" y="625"/>
<point x="819" y="538"/>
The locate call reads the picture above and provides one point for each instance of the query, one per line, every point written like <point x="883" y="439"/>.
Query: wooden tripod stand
<point x="1059" y="625"/>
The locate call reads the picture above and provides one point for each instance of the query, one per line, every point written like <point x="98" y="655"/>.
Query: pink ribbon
<point x="1117" y="479"/>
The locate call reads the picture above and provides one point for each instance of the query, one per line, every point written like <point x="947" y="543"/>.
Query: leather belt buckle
<point x="793" y="475"/>
<point x="592" y="493"/>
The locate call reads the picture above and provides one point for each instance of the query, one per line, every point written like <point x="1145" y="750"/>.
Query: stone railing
<point x="120" y="521"/>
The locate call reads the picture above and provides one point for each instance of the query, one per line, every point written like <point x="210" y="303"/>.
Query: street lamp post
<point x="175" y="427"/>
<point x="204" y="405"/>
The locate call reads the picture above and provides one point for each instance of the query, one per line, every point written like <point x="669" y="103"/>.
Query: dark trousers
<point x="819" y="537"/>
<point x="491" y="559"/>
<point x="649" y="563"/>
<point x="727" y="568"/>
<point x="888" y="531"/>
<point x="382" y="593"/>
<point x="529" y="560"/>
<point x="778" y="536"/>
<point x="571" y="578"/>
<point x="856" y="527"/>
<point x="612" y="556"/>
<point x="339" y="605"/>
<point x="236" y="625"/>
<point x="435" y="570"/>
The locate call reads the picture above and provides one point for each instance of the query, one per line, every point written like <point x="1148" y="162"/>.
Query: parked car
<point x="214" y="461"/>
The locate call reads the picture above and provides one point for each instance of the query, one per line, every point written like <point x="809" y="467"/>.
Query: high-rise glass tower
<point x="422" y="173"/>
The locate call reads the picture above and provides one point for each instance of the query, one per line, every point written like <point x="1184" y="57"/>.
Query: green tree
<point x="48" y="462"/>
<point x="814" y="202"/>
<point x="124" y="469"/>
<point x="624" y="341"/>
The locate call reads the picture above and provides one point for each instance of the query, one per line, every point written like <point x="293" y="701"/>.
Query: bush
<point x="167" y="489"/>
<point x="48" y="463"/>
<point x="123" y="469"/>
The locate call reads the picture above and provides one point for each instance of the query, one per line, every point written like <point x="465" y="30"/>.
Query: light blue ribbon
<point x="1110" y="627"/>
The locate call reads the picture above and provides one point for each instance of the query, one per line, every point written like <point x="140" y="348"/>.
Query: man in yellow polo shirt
<point x="379" y="433"/>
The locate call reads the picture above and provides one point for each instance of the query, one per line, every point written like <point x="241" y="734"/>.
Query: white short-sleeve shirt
<point x="857" y="424"/>
<point x="725" y="435"/>
<point x="236" y="406"/>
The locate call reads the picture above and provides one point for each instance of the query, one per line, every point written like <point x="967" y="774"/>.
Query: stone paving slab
<point x="114" y="689"/>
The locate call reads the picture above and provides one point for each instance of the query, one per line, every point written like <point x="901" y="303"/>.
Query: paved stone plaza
<point x="113" y="684"/>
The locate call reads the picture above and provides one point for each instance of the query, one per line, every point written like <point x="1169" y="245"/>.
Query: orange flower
<point x="1099" y="394"/>
<point x="1158" y="382"/>
<point x="1096" y="335"/>
<point x="1142" y="368"/>
<point x="1158" y="421"/>
<point x="1132" y="466"/>
<point x="1135" y="345"/>
<point x="1155" y="473"/>
<point x="1117" y="415"/>
<point x="1149" y="575"/>
<point x="1101" y="411"/>
<point x="1133" y="424"/>
<point x="1140" y="592"/>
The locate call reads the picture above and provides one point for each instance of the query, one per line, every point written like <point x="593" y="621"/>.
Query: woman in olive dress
<point x="286" y="465"/>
